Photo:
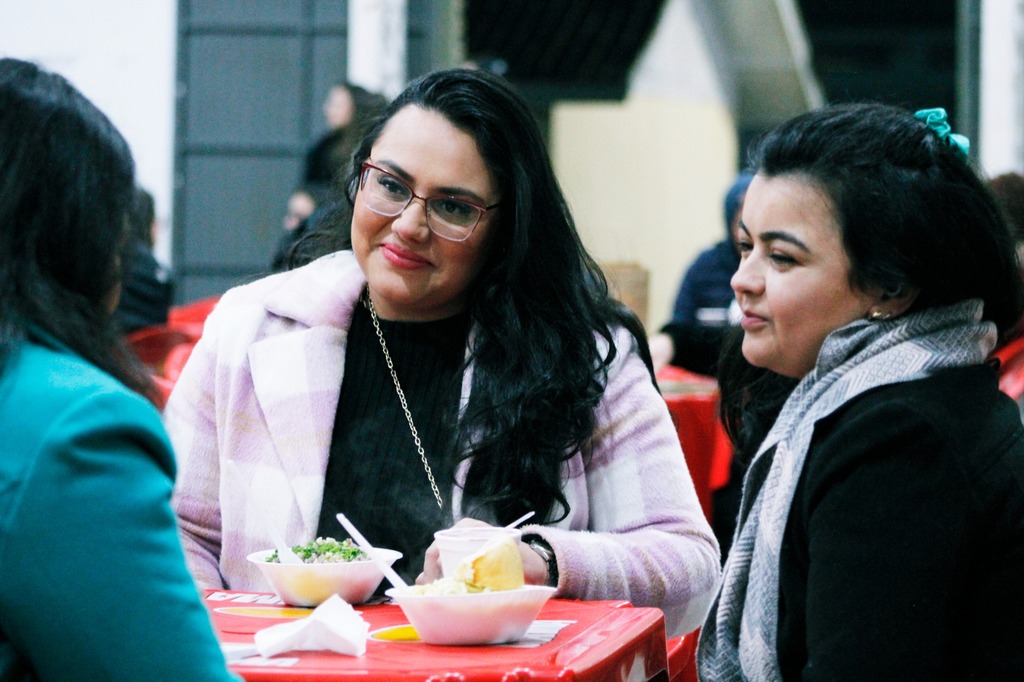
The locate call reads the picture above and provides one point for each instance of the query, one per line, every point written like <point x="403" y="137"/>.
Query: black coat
<point x="903" y="556"/>
<point x="328" y="159"/>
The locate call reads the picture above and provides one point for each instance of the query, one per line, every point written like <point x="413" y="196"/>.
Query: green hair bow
<point x="936" y="120"/>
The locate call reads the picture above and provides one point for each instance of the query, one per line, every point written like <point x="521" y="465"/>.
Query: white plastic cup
<point x="457" y="543"/>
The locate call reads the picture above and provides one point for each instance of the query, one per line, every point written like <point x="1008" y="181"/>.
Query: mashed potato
<point x="445" y="587"/>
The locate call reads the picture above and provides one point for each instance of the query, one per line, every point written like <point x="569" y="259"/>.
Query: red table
<point x="605" y="641"/>
<point x="692" y="400"/>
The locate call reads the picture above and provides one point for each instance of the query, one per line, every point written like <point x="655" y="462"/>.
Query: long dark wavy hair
<point x="543" y="317"/>
<point x="913" y="214"/>
<point x="66" y="187"/>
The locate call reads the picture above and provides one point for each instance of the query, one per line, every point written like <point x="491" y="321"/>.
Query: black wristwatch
<point x="541" y="547"/>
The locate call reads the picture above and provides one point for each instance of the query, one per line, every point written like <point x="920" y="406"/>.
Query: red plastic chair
<point x="164" y="387"/>
<point x="193" y="314"/>
<point x="682" y="658"/>
<point x="152" y="344"/>
<point x="176" y="359"/>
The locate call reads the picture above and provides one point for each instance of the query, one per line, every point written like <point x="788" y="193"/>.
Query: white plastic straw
<point x="522" y="518"/>
<point x="385" y="568"/>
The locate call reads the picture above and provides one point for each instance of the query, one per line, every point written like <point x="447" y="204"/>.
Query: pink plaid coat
<point x="262" y="389"/>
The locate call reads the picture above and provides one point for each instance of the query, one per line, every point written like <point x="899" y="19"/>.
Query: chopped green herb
<point x="325" y="551"/>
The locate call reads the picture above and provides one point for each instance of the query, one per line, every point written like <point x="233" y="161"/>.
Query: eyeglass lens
<point x="388" y="196"/>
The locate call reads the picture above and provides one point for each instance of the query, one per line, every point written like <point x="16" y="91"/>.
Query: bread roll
<point x="497" y="566"/>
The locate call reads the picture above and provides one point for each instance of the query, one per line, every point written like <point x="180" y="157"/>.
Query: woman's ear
<point x="897" y="302"/>
<point x="892" y="303"/>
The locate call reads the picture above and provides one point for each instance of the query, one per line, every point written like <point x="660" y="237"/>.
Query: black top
<point x="329" y="157"/>
<point x="374" y="473"/>
<point x="903" y="557"/>
<point x="696" y="347"/>
<point x="147" y="290"/>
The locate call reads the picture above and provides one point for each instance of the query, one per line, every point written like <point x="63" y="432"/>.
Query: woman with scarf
<point x="881" y="533"/>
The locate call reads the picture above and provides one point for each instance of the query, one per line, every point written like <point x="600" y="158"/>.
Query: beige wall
<point x="645" y="180"/>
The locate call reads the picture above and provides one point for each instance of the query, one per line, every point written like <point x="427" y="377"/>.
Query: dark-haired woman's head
<point x="857" y="211"/>
<point x="529" y="231"/>
<point x="456" y="208"/>
<point x="912" y="214"/>
<point x="142" y="217"/>
<point x="66" y="190"/>
<point x="347" y="103"/>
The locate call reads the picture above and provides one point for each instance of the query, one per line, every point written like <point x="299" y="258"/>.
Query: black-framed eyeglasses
<point x="448" y="217"/>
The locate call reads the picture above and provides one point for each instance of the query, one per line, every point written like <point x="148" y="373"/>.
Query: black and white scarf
<point x="738" y="640"/>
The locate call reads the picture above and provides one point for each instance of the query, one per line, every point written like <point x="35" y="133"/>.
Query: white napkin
<point x="333" y="626"/>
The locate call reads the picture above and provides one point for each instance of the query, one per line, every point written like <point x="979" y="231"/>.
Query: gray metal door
<point x="252" y="75"/>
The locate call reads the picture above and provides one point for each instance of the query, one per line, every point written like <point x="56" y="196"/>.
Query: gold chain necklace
<point x="368" y="302"/>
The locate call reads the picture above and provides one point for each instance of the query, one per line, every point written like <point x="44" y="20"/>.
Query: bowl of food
<point x="328" y="567"/>
<point x="484" y="602"/>
<point x="474" y="617"/>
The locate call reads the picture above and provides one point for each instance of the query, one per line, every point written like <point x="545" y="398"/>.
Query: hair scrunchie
<point x="936" y="120"/>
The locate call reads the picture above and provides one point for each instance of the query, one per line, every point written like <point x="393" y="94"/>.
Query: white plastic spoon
<point x="284" y="552"/>
<point x="364" y="544"/>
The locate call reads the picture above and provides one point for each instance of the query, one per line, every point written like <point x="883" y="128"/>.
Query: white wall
<point x="121" y="55"/>
<point x="1001" y="97"/>
<point x="377" y="45"/>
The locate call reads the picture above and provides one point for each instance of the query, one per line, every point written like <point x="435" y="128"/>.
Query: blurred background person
<point x="94" y="580"/>
<point x="348" y="110"/>
<point x="1008" y="190"/>
<point x="704" y="315"/>
<point x="327" y="230"/>
<point x="302" y="203"/>
<point x="147" y="286"/>
<point x="705" y="295"/>
<point x="701" y="314"/>
<point x="487" y="62"/>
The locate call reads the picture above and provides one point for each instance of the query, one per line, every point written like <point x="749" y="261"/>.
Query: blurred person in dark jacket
<point x="348" y="110"/>
<point x="303" y="203"/>
<point x="700" y="316"/>
<point x="147" y="288"/>
<point x="1008" y="190"/>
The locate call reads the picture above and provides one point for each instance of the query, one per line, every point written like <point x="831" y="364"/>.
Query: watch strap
<point x="543" y="548"/>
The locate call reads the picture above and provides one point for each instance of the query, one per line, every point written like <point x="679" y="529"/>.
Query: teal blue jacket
<point x="93" y="584"/>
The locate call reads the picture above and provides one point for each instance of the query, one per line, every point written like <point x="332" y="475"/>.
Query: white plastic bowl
<point x="480" y="618"/>
<point x="312" y="584"/>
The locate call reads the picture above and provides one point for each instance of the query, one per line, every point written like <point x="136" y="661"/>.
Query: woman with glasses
<point x="94" y="583"/>
<point x="463" y="362"/>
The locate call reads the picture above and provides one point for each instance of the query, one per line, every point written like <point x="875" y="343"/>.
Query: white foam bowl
<point x="312" y="584"/>
<point x="480" y="618"/>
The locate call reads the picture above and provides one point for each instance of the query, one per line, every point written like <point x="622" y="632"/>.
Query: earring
<point x="878" y="316"/>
